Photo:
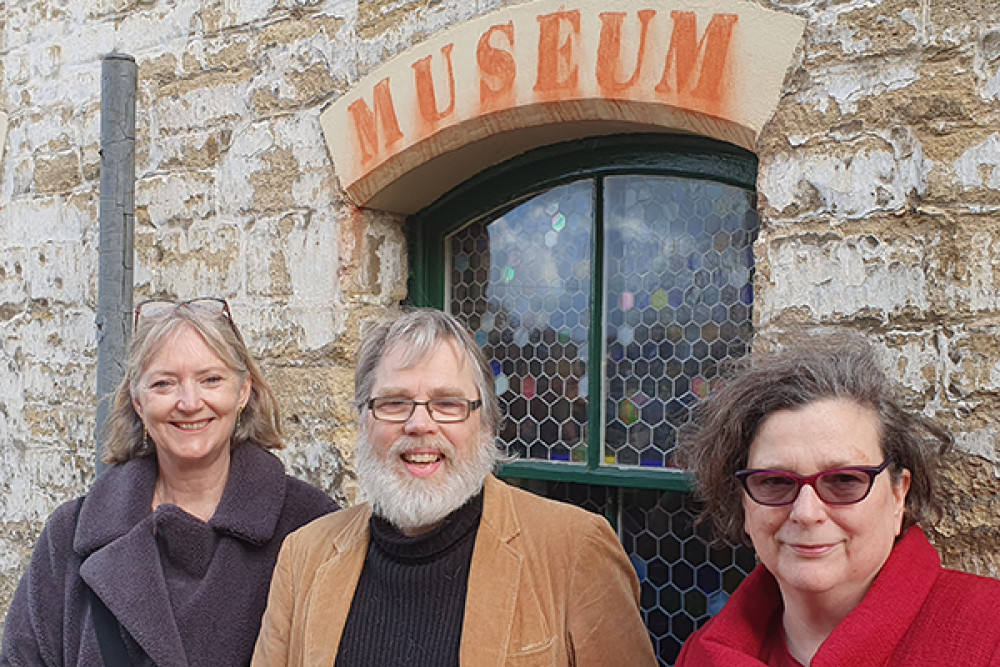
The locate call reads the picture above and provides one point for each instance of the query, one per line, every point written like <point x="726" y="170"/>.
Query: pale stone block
<point x="3" y="133"/>
<point x="979" y="165"/>
<point x="835" y="278"/>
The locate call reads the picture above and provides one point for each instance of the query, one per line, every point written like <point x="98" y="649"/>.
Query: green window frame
<point x="504" y="187"/>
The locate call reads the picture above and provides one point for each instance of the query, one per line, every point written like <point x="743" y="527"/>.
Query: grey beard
<point x="410" y="503"/>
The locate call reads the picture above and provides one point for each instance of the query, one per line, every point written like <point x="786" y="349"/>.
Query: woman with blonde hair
<point x="168" y="559"/>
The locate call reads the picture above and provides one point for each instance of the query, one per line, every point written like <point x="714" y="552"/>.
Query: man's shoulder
<point x="330" y="532"/>
<point x="535" y="513"/>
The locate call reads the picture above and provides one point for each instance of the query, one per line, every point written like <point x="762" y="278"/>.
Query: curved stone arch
<point x="481" y="92"/>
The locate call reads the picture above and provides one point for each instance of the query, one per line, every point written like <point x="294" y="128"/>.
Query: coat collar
<point x="115" y="537"/>
<point x="498" y="510"/>
<point x="495" y="575"/>
<point x="867" y="636"/>
<point x="332" y="591"/>
<point x="121" y="498"/>
<point x="500" y="603"/>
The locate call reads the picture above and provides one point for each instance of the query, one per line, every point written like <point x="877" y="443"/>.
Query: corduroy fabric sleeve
<point x="273" y="641"/>
<point x="311" y="591"/>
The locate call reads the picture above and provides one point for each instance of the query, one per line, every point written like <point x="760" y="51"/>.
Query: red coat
<point x="915" y="613"/>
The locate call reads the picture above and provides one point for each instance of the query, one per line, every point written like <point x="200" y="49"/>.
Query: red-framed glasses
<point x="839" y="486"/>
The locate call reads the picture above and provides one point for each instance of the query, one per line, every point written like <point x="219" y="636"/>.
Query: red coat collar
<point x="867" y="636"/>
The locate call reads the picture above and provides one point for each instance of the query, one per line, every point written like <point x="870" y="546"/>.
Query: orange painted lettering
<point x="609" y="51"/>
<point x="685" y="49"/>
<point x="558" y="66"/>
<point x="497" y="68"/>
<point x="367" y="122"/>
<point x="424" y="79"/>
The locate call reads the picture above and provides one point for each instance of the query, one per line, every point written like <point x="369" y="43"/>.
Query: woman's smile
<point x="188" y="400"/>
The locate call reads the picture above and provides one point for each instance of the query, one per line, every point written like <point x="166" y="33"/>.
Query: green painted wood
<point x="664" y="479"/>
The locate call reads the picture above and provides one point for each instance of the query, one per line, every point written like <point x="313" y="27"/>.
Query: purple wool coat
<point x="185" y="592"/>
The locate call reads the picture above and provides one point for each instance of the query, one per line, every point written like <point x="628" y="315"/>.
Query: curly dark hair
<point x="816" y="366"/>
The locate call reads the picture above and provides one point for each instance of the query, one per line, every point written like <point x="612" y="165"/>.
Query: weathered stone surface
<point x="879" y="212"/>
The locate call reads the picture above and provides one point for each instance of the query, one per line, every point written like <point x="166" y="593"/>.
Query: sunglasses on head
<point x="157" y="309"/>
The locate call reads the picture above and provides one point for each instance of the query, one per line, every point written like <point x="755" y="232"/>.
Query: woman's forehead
<point x="181" y="345"/>
<point x="817" y="436"/>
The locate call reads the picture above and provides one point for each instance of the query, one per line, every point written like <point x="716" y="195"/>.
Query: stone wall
<point x="880" y="203"/>
<point x="880" y="208"/>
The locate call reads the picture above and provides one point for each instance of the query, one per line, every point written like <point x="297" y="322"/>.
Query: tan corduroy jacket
<point x="549" y="585"/>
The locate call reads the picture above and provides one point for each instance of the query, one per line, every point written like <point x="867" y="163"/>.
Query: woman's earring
<point x="146" y="444"/>
<point x="236" y="427"/>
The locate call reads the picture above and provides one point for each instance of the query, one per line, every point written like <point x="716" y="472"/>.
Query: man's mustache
<point x="406" y="443"/>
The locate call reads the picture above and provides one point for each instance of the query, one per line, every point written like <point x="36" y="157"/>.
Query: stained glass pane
<point x="684" y="578"/>
<point x="521" y="283"/>
<point x="678" y="291"/>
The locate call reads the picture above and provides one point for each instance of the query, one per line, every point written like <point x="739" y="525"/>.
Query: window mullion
<point x="595" y="352"/>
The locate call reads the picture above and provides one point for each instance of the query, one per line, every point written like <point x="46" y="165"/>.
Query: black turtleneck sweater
<point x="410" y="600"/>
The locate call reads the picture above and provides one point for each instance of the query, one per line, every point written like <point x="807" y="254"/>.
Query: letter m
<point x="367" y="122"/>
<point x="687" y="52"/>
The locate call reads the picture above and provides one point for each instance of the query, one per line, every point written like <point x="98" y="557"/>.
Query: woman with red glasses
<point x="168" y="559"/>
<point x="809" y="454"/>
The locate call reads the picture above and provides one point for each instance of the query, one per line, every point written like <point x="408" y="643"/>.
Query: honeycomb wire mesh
<point x="675" y="278"/>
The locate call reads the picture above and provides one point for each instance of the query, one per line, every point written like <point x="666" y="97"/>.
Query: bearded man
<point x="444" y="564"/>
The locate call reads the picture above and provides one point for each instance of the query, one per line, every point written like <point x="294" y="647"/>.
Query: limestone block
<point x="834" y="276"/>
<point x="3" y="133"/>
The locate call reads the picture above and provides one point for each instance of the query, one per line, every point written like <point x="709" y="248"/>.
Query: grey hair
<point x="260" y="420"/>
<point x="419" y="331"/>
<point x="814" y="367"/>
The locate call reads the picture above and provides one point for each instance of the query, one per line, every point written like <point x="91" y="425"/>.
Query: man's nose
<point x="420" y="422"/>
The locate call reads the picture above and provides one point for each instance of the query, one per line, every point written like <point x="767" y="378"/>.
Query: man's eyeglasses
<point x="840" y="486"/>
<point x="441" y="410"/>
<point x="156" y="309"/>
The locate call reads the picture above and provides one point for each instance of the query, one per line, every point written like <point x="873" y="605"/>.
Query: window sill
<point x="635" y="477"/>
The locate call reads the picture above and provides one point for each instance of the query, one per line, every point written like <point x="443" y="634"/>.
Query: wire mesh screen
<point x="522" y="284"/>
<point x="678" y="292"/>
<point x="684" y="580"/>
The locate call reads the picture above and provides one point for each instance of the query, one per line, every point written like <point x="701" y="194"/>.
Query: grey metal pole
<point x="117" y="210"/>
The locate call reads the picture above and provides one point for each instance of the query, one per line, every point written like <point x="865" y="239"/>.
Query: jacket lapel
<point x="869" y="635"/>
<point x="494" y="578"/>
<point x="116" y="537"/>
<point x="127" y="576"/>
<point x="332" y="591"/>
<point x="121" y="563"/>
<point x="251" y="503"/>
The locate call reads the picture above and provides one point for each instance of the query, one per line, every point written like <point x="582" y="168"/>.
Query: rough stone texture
<point x="879" y="191"/>
<point x="880" y="208"/>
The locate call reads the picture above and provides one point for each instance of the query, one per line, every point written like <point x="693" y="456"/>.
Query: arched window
<point x="607" y="280"/>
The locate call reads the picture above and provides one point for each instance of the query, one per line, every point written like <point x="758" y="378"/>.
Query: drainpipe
<point x="117" y="210"/>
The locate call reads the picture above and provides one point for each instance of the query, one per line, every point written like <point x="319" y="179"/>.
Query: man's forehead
<point x="400" y="358"/>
